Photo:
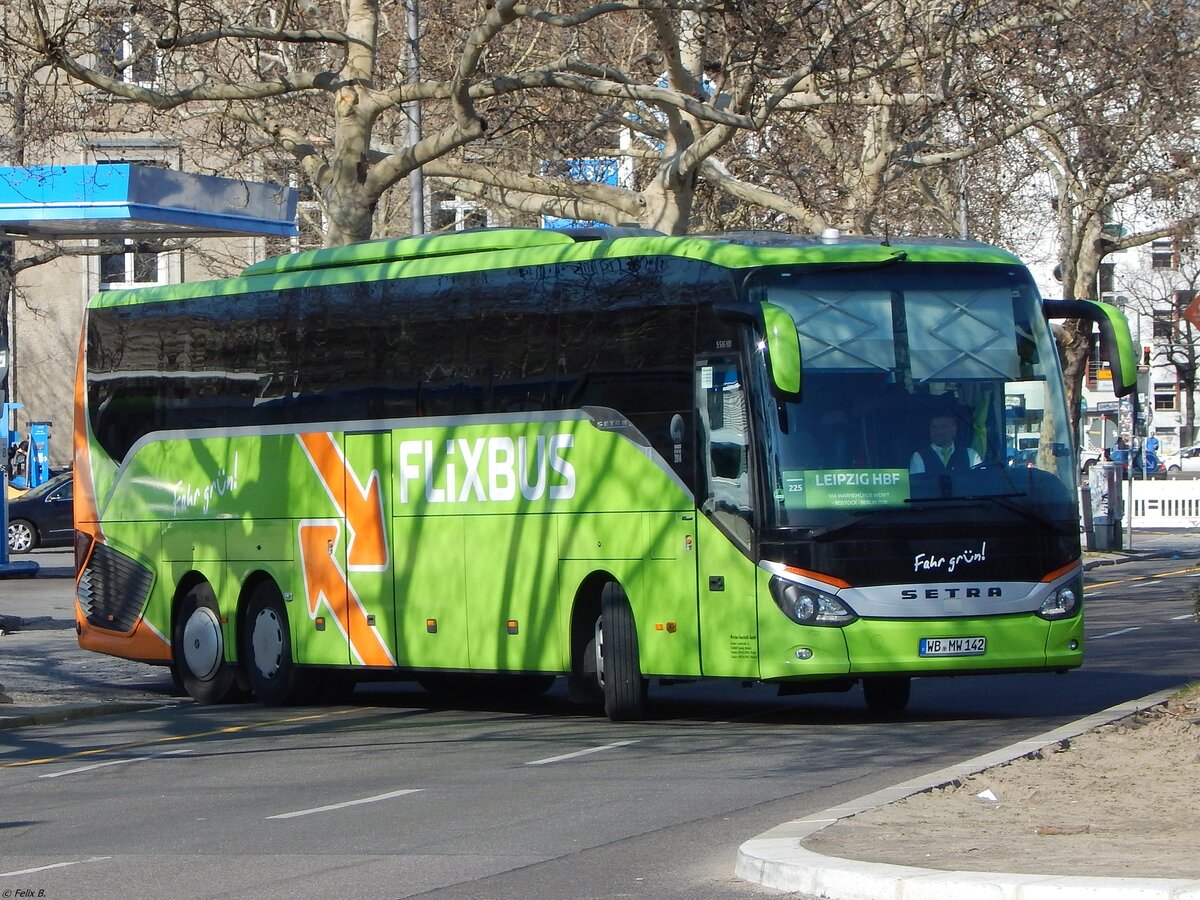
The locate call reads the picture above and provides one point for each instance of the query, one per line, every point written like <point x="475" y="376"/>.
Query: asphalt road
<point x="393" y="796"/>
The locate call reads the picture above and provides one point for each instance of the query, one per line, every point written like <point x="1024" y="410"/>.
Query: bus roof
<point x="508" y="247"/>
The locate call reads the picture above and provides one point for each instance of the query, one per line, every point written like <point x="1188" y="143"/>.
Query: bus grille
<point x="113" y="589"/>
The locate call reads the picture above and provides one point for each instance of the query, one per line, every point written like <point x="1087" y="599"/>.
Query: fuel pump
<point x="24" y="567"/>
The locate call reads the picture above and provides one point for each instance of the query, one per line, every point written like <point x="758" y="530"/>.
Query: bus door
<point x="347" y="560"/>
<point x="369" y="561"/>
<point x="726" y="572"/>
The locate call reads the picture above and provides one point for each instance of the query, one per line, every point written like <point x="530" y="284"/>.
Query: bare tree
<point x="1162" y="296"/>
<point x="1118" y="131"/>
<point x="731" y="103"/>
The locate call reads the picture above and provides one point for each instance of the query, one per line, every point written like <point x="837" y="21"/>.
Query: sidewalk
<point x="43" y="671"/>
<point x="778" y="859"/>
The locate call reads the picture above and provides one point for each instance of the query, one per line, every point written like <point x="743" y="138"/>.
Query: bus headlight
<point x="809" y="606"/>
<point x="1062" y="602"/>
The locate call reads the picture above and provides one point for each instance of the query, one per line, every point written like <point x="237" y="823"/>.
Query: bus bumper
<point x="1021" y="642"/>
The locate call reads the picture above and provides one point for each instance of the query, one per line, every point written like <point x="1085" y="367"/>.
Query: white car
<point x="1088" y="457"/>
<point x="1186" y="460"/>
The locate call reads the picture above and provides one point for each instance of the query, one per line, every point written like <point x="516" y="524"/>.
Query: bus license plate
<point x="953" y="646"/>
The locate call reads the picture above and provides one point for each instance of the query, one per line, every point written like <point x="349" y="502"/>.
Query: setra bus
<point x="501" y="456"/>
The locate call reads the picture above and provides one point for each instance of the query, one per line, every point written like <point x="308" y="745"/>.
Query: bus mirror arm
<point x="1115" y="341"/>
<point x="781" y="342"/>
<point x="738" y="311"/>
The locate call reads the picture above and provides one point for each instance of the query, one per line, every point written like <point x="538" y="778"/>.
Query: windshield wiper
<point x="1003" y="501"/>
<point x="825" y="534"/>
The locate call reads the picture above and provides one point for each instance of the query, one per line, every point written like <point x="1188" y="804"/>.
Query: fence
<point x="1163" y="504"/>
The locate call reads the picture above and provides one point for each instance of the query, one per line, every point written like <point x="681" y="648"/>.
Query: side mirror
<point x="1115" y="341"/>
<point x="783" y="350"/>
<point x="782" y="341"/>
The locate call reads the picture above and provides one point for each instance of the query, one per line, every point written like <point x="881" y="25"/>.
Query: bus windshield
<point x="918" y="380"/>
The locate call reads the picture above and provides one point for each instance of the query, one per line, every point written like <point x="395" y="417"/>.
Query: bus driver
<point x="941" y="455"/>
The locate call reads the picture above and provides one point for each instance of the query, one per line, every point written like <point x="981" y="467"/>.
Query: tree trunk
<point x="1080" y="270"/>
<point x="1187" y="433"/>
<point x="669" y="201"/>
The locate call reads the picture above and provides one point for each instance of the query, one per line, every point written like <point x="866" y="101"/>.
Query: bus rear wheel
<point x="618" y="667"/>
<point x="887" y="695"/>
<point x="267" y="650"/>
<point x="198" y="649"/>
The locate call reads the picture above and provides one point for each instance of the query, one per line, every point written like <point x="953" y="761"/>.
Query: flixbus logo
<point x="487" y="469"/>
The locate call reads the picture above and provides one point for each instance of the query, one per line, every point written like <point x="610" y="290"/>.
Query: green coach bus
<point x="501" y="456"/>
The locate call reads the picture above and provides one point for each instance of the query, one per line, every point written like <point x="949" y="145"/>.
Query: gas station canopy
<point x="123" y="200"/>
<point x="116" y="201"/>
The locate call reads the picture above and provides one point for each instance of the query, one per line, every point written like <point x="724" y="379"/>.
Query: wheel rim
<point x="266" y="643"/>
<point x="600" y="651"/>
<point x="20" y="538"/>
<point x="203" y="650"/>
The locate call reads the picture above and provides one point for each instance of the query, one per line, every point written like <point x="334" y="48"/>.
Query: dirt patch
<point x="1120" y="801"/>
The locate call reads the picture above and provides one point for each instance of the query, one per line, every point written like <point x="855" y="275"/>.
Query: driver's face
<point x="941" y="431"/>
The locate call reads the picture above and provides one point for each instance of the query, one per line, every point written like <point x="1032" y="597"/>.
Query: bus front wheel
<point x="887" y="695"/>
<point x="618" y="667"/>
<point x="267" y="650"/>
<point x="198" y="649"/>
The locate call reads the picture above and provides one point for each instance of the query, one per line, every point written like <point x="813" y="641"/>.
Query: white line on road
<point x="577" y="753"/>
<point x="1180" y="618"/>
<point x="333" y="806"/>
<point x="111" y="762"/>
<point x="61" y="865"/>
<point x="1101" y="637"/>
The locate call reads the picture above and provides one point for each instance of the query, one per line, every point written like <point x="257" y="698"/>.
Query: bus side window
<point x="726" y="493"/>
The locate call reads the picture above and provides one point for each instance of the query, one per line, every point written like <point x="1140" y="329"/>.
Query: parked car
<point x="1088" y="457"/>
<point x="1026" y="458"/>
<point x="1186" y="460"/>
<point x="42" y="516"/>
<point x="1144" y="465"/>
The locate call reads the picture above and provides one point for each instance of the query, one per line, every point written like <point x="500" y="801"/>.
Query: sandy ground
<point x="1121" y="801"/>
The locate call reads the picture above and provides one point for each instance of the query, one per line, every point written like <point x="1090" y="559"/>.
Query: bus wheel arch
<point x="265" y="645"/>
<point x="198" y="663"/>
<point x="583" y="682"/>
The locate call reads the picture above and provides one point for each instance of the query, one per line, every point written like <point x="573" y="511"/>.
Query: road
<point x="392" y="796"/>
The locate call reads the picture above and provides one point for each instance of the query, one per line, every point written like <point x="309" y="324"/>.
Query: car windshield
<point x="47" y="486"/>
<point x="923" y="385"/>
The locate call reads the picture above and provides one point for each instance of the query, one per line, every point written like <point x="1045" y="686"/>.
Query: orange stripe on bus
<point x="1059" y="573"/>
<point x="818" y="576"/>
<point x="367" y="549"/>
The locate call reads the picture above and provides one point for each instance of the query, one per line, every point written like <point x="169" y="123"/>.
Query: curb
<point x="1132" y="556"/>
<point x="776" y="858"/>
<point x="52" y="715"/>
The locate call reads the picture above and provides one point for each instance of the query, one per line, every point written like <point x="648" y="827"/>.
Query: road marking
<point x="578" y="753"/>
<point x="113" y="762"/>
<point x="1101" y="637"/>
<point x="1180" y="618"/>
<point x="1191" y="572"/>
<point x="231" y="729"/>
<point x="61" y="865"/>
<point x="333" y="806"/>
